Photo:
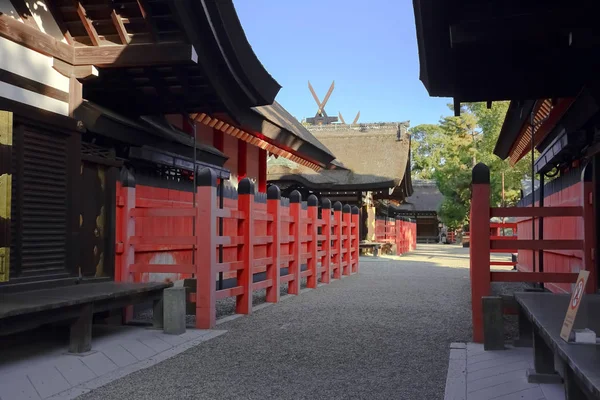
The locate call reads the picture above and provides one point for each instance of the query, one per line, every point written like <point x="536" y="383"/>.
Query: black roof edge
<point x="518" y="112"/>
<point x="217" y="56"/>
<point x="256" y="78"/>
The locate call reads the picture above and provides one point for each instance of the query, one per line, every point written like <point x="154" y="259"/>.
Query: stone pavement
<point x="475" y="374"/>
<point x="44" y="369"/>
<point x="381" y="334"/>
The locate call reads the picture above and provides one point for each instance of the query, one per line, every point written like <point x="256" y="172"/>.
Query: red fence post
<point x="313" y="216"/>
<point x="326" y="244"/>
<point x="480" y="245"/>
<point x="296" y="262"/>
<point x="206" y="249"/>
<point x="589" y="230"/>
<point x="355" y="234"/>
<point x="337" y="237"/>
<point x="124" y="251"/>
<point x="274" y="270"/>
<point x="346" y="239"/>
<point x="243" y="303"/>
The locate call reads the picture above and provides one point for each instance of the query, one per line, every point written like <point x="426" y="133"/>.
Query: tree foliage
<point x="446" y="152"/>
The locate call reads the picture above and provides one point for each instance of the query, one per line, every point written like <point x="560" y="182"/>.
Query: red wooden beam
<point x="536" y="244"/>
<point x="536" y="212"/>
<point x="546" y="277"/>
<point x="262" y="170"/>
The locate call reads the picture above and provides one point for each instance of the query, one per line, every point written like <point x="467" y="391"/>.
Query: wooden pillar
<point x="480" y="245"/>
<point x="589" y="227"/>
<point x="206" y="254"/>
<point x="313" y="216"/>
<point x="355" y="234"/>
<point x="218" y="140"/>
<point x="242" y="159"/>
<point x="296" y="263"/>
<point x="337" y="238"/>
<point x="262" y="170"/>
<point x="6" y="141"/>
<point x="75" y="94"/>
<point x="326" y="246"/>
<point x="245" y="275"/>
<point x="274" y="249"/>
<point x="125" y="252"/>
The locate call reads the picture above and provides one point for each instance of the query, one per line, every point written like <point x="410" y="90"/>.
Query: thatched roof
<point x="426" y="197"/>
<point x="375" y="157"/>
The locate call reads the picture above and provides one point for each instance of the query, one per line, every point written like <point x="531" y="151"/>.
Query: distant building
<point x="372" y="169"/>
<point x="423" y="204"/>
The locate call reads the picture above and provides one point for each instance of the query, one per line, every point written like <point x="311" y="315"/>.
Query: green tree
<point x="447" y="152"/>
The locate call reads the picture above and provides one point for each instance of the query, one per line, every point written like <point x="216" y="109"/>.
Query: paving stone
<point x="534" y="393"/>
<point x="48" y="381"/>
<point x="156" y="344"/>
<point x="138" y="349"/>
<point x="74" y="370"/>
<point x="484" y="373"/>
<point x="119" y="355"/>
<point x="18" y="389"/>
<point x="99" y="363"/>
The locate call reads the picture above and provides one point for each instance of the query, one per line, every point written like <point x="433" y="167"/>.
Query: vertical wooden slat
<point x="245" y="275"/>
<point x="296" y="263"/>
<point x="274" y="249"/>
<point x="326" y="245"/>
<point x="346" y="267"/>
<point x="313" y="216"/>
<point x="355" y="234"/>
<point x="337" y="238"/>
<point x="6" y="141"/>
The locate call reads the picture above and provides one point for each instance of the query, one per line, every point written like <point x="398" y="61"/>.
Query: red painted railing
<point x="401" y="232"/>
<point x="260" y="235"/>
<point x="482" y="243"/>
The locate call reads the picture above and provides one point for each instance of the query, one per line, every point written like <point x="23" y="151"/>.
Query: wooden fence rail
<point x="482" y="243"/>
<point x="281" y="240"/>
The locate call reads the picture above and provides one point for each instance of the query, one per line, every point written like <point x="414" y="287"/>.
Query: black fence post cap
<point x="246" y="186"/>
<point x="295" y="197"/>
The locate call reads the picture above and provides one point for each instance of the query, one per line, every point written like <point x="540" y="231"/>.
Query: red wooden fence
<point x="401" y="232"/>
<point x="482" y="243"/>
<point x="261" y="233"/>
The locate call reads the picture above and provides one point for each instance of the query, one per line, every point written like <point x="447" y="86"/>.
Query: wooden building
<point x="111" y="107"/>
<point x="423" y="205"/>
<point x="371" y="170"/>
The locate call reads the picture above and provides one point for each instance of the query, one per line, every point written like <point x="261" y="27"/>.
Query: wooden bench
<point x="30" y="309"/>
<point x="541" y="316"/>
<point x="372" y="246"/>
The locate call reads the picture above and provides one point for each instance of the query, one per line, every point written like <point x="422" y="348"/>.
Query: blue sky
<point x="368" y="47"/>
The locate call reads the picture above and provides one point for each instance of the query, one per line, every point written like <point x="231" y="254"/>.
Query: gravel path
<point x="382" y="334"/>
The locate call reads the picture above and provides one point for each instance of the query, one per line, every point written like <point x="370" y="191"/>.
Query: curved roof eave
<point x="240" y="53"/>
<point x="208" y="34"/>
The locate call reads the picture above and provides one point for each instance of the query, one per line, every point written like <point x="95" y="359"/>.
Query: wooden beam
<point x="147" y="15"/>
<point x="24" y="13"/>
<point x="79" y="71"/>
<point x="120" y="27"/>
<point x="32" y="38"/>
<point x="87" y="23"/>
<point x="135" y="55"/>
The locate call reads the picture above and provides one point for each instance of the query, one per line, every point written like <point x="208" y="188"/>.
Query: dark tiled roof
<point x="426" y="197"/>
